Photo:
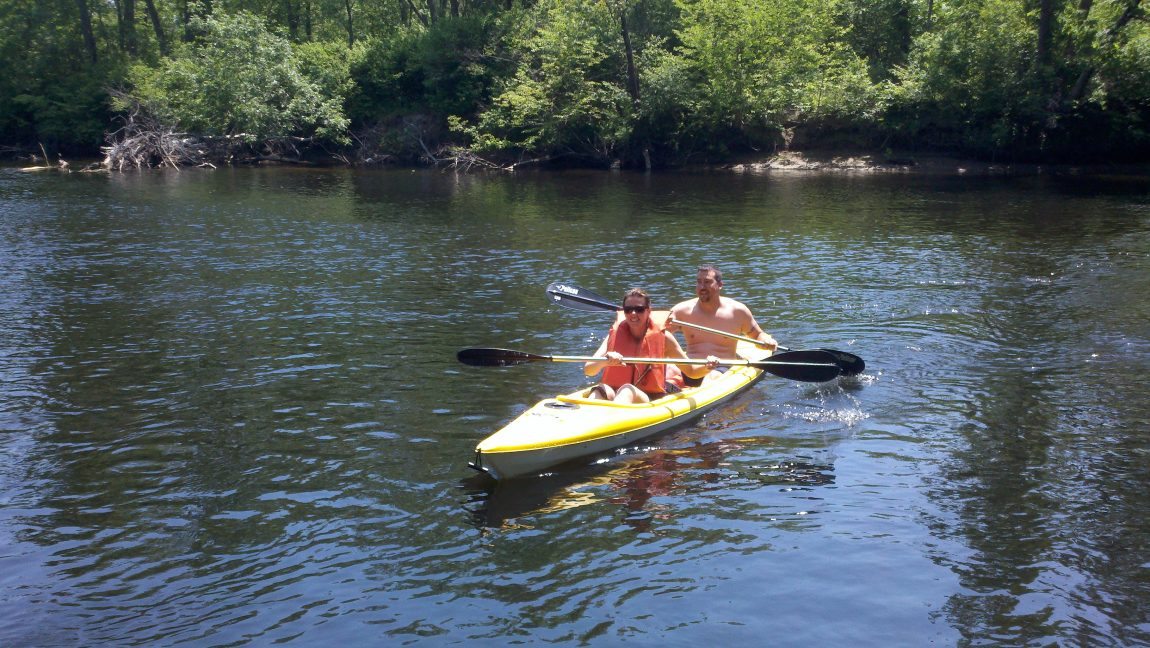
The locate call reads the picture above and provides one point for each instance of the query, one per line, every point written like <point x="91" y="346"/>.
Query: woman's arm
<point x="592" y="368"/>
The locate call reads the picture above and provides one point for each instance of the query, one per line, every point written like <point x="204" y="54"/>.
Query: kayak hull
<point x="568" y="427"/>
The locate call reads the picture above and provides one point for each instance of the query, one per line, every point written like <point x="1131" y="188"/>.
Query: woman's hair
<point x="637" y="292"/>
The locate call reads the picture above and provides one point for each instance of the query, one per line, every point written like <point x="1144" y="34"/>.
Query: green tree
<point x="759" y="69"/>
<point x="446" y="69"/>
<point x="239" y="79"/>
<point x="569" y="95"/>
<point x="1001" y="77"/>
<point x="53" y="76"/>
<point x="969" y="78"/>
<point x="881" y="32"/>
<point x="593" y="80"/>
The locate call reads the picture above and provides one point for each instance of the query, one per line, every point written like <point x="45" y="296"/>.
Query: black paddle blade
<point x="483" y="357"/>
<point x="851" y="364"/>
<point x="578" y="298"/>
<point x="809" y="366"/>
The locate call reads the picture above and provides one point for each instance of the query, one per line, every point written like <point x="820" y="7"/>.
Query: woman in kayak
<point x="637" y="336"/>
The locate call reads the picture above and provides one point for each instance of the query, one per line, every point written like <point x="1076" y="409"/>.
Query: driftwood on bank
<point x="464" y="159"/>
<point x="61" y="164"/>
<point x="144" y="142"/>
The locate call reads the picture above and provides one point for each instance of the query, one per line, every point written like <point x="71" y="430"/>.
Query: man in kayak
<point x="714" y="311"/>
<point x="637" y="336"/>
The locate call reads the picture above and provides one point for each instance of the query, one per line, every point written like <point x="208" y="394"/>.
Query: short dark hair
<point x="707" y="267"/>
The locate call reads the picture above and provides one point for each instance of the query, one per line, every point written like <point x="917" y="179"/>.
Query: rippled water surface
<point x="230" y="412"/>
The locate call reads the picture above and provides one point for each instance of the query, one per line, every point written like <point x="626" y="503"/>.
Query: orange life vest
<point x="649" y="378"/>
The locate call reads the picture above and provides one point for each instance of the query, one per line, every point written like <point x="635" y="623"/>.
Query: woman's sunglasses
<point x="634" y="309"/>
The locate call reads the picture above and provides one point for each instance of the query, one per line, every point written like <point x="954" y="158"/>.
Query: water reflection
<point x="634" y="479"/>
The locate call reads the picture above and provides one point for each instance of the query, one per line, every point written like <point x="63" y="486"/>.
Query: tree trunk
<point x="417" y="13"/>
<point x="157" y="26"/>
<point x="1045" y="25"/>
<point x="633" y="86"/>
<point x="187" y="21"/>
<point x="291" y="15"/>
<point x="350" y="29"/>
<point x="632" y="75"/>
<point x="86" y="29"/>
<point x="126" y="13"/>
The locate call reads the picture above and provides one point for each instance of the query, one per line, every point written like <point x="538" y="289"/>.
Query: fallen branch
<point x="61" y="165"/>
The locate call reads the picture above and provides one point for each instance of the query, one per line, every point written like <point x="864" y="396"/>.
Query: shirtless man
<point x="712" y="310"/>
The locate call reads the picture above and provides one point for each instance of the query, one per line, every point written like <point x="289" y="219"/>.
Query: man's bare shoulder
<point x="684" y="307"/>
<point x="735" y="306"/>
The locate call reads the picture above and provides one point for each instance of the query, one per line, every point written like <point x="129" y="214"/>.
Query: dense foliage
<point x="630" y="82"/>
<point x="239" y="80"/>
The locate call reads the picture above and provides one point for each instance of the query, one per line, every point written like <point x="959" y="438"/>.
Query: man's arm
<point x="756" y="332"/>
<point x="671" y="325"/>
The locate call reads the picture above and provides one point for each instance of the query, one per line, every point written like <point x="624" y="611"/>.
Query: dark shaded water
<point x="230" y="412"/>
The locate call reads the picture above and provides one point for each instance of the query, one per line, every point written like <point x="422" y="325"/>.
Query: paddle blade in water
<point x="851" y="364"/>
<point x="804" y="366"/>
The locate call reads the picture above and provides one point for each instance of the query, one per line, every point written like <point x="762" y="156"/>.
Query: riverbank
<point x="846" y="162"/>
<point x="784" y="162"/>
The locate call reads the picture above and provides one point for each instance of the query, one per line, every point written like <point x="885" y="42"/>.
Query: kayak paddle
<point x="851" y="364"/>
<point x="582" y="299"/>
<point x="579" y="298"/>
<point x="804" y="366"/>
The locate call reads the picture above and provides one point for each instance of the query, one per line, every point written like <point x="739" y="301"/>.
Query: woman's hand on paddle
<point x="595" y="366"/>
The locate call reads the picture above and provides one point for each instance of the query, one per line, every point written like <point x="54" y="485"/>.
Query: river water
<point x="230" y="412"/>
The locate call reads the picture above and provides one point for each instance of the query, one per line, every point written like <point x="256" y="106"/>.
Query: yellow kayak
<point x="571" y="426"/>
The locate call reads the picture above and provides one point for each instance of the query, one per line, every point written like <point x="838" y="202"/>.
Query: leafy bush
<point x="776" y="64"/>
<point x="238" y="79"/>
<point x="568" y="94"/>
<point x="443" y="70"/>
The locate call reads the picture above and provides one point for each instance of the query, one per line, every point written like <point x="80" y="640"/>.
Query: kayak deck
<point x="566" y="427"/>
